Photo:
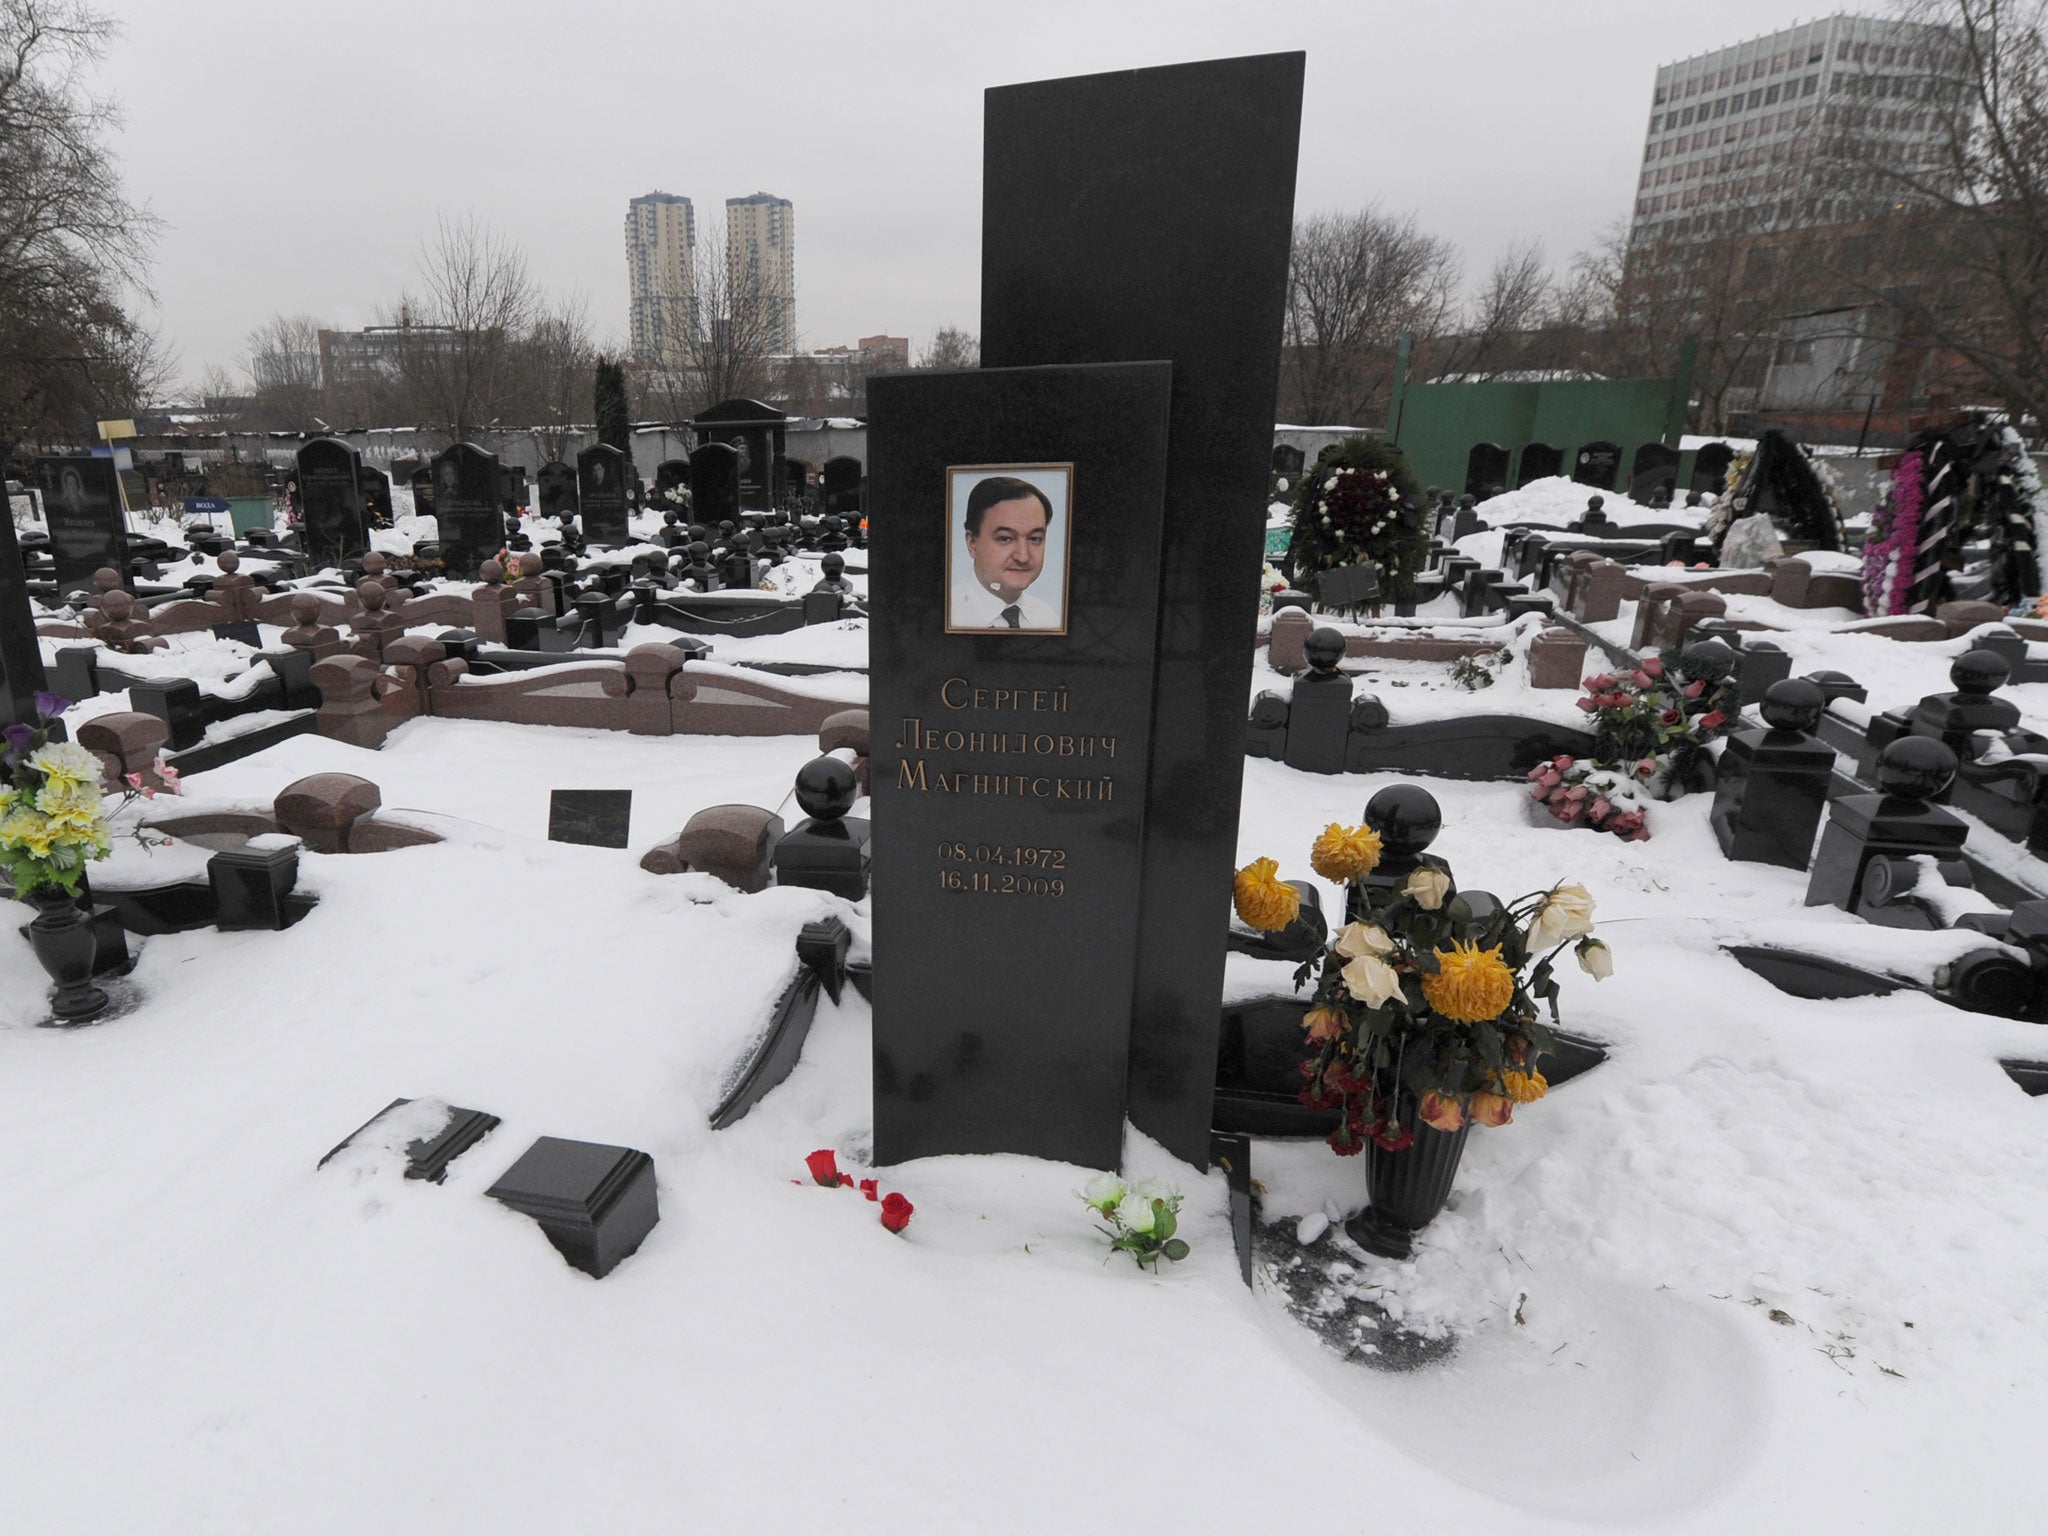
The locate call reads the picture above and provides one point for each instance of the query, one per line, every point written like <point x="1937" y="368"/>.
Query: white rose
<point x="1596" y="959"/>
<point x="1371" y="981"/>
<point x="1567" y="913"/>
<point x="1429" y="887"/>
<point x="1103" y="1191"/>
<point x="1152" y="1189"/>
<point x="1355" y="939"/>
<point x="1135" y="1214"/>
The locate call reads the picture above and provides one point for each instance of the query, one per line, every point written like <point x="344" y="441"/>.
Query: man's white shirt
<point x="975" y="607"/>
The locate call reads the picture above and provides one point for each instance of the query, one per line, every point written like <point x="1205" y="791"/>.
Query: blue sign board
<point x="207" y="506"/>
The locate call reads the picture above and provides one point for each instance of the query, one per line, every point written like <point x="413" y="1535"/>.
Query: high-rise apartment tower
<point x="661" y="245"/>
<point x="760" y="236"/>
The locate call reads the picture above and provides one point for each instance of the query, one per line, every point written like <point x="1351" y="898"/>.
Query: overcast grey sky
<point x="297" y="151"/>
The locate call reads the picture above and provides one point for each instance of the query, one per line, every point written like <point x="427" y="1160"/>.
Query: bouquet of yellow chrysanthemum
<point x="52" y="818"/>
<point x="1425" y="1008"/>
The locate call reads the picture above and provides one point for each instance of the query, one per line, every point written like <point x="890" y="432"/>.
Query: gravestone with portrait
<point x="1012" y="667"/>
<point x="468" y="488"/>
<point x="331" y="501"/>
<point x="714" y="483"/>
<point x="1093" y="187"/>
<point x="601" y="493"/>
<point x="82" y="507"/>
<point x="1597" y="464"/>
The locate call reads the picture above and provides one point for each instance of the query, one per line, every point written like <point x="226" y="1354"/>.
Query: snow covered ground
<point x="1773" y="1261"/>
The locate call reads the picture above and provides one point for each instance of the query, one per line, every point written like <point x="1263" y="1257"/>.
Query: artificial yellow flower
<point x="1263" y="899"/>
<point x="66" y="762"/>
<point x="1523" y="1087"/>
<point x="28" y="829"/>
<point x="1491" y="1109"/>
<point x="1429" y="887"/>
<point x="1471" y="985"/>
<point x="1345" y="853"/>
<point x="1441" y="1111"/>
<point x="71" y="803"/>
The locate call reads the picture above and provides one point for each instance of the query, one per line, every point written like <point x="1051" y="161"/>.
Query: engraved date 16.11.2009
<point x="1002" y="869"/>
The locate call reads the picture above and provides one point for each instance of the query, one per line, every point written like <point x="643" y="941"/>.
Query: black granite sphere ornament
<point x="1324" y="648"/>
<point x="1915" y="768"/>
<point x="1711" y="659"/>
<point x="1595" y="506"/>
<point x="826" y="788"/>
<point x="1979" y="672"/>
<point x="1796" y="704"/>
<point x="834" y="566"/>
<point x="1407" y="818"/>
<point x="1833" y="685"/>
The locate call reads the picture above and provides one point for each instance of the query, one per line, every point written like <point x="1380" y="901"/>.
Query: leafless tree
<point x="551" y="368"/>
<point x="457" y="362"/>
<point x="73" y="248"/>
<point x="951" y="347"/>
<point x="1355" y="283"/>
<point x="1954" y="244"/>
<point x="734" y="326"/>
<point x="286" y="385"/>
<point x="1506" y="321"/>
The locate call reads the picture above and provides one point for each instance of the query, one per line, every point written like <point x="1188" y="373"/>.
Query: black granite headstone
<point x="1597" y="464"/>
<point x="331" y="501"/>
<point x="376" y="490"/>
<point x="556" y="482"/>
<point x="1008" y="768"/>
<point x="1655" y="470"/>
<point x="82" y="505"/>
<point x="842" y="478"/>
<point x="757" y="434"/>
<point x="601" y="493"/>
<point x="1772" y="786"/>
<point x="1539" y="462"/>
<point x="468" y="486"/>
<point x="21" y="659"/>
<point x="714" y="482"/>
<point x="422" y="482"/>
<point x="597" y="817"/>
<point x="1095" y="189"/>
<point x="1486" y="467"/>
<point x="1710" y="467"/>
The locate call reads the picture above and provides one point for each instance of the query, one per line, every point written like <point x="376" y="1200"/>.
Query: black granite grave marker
<point x="331" y="501"/>
<point x="596" y="817"/>
<point x="715" y="482"/>
<point x="1655" y="470"/>
<point x="1486" y="467"/>
<point x="556" y="482"/>
<point x="1008" y="770"/>
<point x="21" y="659"/>
<point x="757" y="434"/>
<point x="601" y="492"/>
<point x="468" y="487"/>
<point x="595" y="1203"/>
<point x="1095" y="189"/>
<point x="376" y="490"/>
<point x="1710" y="467"/>
<point x="1597" y="464"/>
<point x="1773" y="785"/>
<point x="1539" y="462"/>
<point x="82" y="505"/>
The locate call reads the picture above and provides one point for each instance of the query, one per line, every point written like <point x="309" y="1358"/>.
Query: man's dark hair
<point x="1001" y="488"/>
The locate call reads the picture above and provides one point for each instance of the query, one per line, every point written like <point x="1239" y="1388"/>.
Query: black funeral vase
<point x="1407" y="1188"/>
<point x="61" y="936"/>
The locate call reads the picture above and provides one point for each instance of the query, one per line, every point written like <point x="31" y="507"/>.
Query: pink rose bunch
<point x="1578" y="793"/>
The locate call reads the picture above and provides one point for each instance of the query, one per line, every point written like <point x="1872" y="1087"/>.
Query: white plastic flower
<point x="1355" y="939"/>
<point x="1154" y="1189"/>
<point x="1103" y="1191"/>
<point x="1135" y="1214"/>
<point x="1371" y="981"/>
<point x="66" y="761"/>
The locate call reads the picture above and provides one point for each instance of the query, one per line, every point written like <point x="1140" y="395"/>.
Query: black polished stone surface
<point x="1772" y="785"/>
<point x="1008" y="772"/>
<point x="597" y="817"/>
<point x="1902" y="822"/>
<point x="467" y="485"/>
<point x="429" y="1157"/>
<point x="1597" y="464"/>
<point x="1319" y="722"/>
<point x="1095" y="191"/>
<point x="82" y="505"/>
<point x="1465" y="747"/>
<point x="1539" y="462"/>
<point x="601" y="494"/>
<point x="714" y="482"/>
<point x="251" y="886"/>
<point x="21" y="658"/>
<point x="332" y="519"/>
<point x="555" y="488"/>
<point x="595" y="1203"/>
<point x="1233" y="1154"/>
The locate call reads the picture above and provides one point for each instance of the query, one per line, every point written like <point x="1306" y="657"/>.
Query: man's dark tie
<point x="1010" y="616"/>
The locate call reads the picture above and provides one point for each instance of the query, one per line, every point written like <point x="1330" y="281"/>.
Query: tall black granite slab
<point x="1008" y="770"/>
<point x="21" y="660"/>
<point x="331" y="501"/>
<point x="714" y="483"/>
<point x="82" y="505"/>
<point x="556" y="483"/>
<point x="1138" y="215"/>
<point x="601" y="474"/>
<point x="467" y="485"/>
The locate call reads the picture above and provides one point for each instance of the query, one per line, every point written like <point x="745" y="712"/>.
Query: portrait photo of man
<point x="1008" y="527"/>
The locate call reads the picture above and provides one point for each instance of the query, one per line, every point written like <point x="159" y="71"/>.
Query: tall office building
<point x="1738" y="137"/>
<point x="661" y="247"/>
<point x="760" y="253"/>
